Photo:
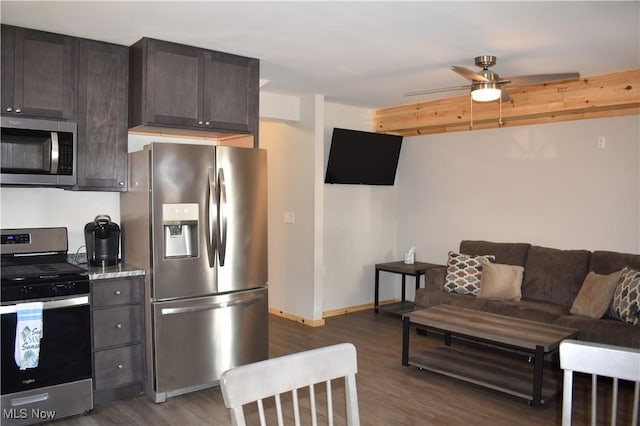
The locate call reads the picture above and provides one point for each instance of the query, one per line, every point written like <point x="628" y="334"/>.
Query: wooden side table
<point x="416" y="269"/>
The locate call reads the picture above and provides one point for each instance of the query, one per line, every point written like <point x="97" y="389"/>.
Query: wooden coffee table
<point x="491" y="363"/>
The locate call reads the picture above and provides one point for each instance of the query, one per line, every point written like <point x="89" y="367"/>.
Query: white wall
<point x="325" y="260"/>
<point x="52" y="207"/>
<point x="290" y="158"/>
<point x="545" y="184"/>
<point x="360" y="224"/>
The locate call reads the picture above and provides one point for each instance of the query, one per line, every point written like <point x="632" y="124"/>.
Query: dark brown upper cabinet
<point x="103" y="81"/>
<point x="188" y="88"/>
<point x="38" y="74"/>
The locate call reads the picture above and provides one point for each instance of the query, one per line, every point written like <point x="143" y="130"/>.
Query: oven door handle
<point x="52" y="304"/>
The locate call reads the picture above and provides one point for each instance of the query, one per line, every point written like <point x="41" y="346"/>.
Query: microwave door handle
<point x="55" y="153"/>
<point x="211" y="219"/>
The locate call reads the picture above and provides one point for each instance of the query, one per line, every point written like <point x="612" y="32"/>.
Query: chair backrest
<point x="616" y="362"/>
<point x="260" y="381"/>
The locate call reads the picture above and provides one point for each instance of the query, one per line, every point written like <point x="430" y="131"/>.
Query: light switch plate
<point x="289" y="217"/>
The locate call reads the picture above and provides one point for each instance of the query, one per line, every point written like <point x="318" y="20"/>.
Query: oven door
<point x="65" y="348"/>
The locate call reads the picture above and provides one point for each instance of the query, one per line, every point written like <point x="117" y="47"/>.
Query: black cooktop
<point x="41" y="277"/>
<point x="34" y="266"/>
<point x="38" y="271"/>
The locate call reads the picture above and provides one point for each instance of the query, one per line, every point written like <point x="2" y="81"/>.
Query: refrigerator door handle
<point x="212" y="219"/>
<point x="222" y="217"/>
<point x="228" y="304"/>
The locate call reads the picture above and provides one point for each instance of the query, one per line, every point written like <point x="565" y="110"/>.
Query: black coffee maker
<point x="102" y="238"/>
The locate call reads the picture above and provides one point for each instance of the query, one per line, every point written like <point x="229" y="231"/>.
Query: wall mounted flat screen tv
<point x="362" y="158"/>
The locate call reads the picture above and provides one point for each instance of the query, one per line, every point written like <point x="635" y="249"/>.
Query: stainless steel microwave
<point x="38" y="152"/>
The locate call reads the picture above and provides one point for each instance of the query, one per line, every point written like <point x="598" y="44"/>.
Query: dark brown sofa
<point x="552" y="279"/>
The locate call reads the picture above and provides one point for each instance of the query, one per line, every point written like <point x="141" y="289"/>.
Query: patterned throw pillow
<point x="464" y="272"/>
<point x="625" y="305"/>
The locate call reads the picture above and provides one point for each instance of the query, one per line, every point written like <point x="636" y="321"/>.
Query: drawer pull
<point x="120" y="366"/>
<point x="117" y="292"/>
<point x="118" y="326"/>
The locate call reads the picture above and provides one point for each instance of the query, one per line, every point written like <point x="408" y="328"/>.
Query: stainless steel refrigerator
<point x="195" y="217"/>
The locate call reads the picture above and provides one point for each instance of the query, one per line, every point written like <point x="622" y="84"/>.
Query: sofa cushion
<point x="508" y="253"/>
<point x="464" y="272"/>
<point x="501" y="281"/>
<point x="606" y="262"/>
<point x="434" y="277"/>
<point x="594" y="298"/>
<point x="625" y="305"/>
<point x="555" y="276"/>
<point x="605" y="330"/>
<point x="526" y="309"/>
<point x="426" y="298"/>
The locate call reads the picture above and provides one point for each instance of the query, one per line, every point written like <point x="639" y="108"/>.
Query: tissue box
<point x="409" y="258"/>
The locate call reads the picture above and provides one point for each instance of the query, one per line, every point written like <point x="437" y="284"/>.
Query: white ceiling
<point x="365" y="53"/>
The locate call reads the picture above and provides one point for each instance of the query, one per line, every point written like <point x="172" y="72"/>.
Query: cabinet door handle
<point x="120" y="366"/>
<point x="18" y="110"/>
<point x="9" y="109"/>
<point x="117" y="292"/>
<point x="121" y="183"/>
<point x="207" y="123"/>
<point x="200" y="123"/>
<point x="118" y="326"/>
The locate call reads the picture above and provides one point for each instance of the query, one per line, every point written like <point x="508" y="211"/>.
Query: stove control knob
<point x="26" y="290"/>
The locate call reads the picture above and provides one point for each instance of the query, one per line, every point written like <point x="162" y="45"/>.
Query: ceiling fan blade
<point x="526" y="80"/>
<point x="467" y="73"/>
<point x="505" y="95"/>
<point x="428" y="92"/>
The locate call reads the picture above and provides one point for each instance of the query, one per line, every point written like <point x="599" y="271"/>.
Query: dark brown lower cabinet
<point x="117" y="317"/>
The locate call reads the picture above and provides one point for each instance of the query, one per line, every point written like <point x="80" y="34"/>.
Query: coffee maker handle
<point x="102" y="218"/>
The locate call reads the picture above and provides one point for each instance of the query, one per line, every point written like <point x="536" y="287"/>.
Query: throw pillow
<point x="594" y="297"/>
<point x="501" y="281"/>
<point x="626" y="297"/>
<point x="464" y="272"/>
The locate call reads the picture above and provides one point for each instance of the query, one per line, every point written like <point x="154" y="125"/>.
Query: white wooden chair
<point x="617" y="362"/>
<point x="276" y="376"/>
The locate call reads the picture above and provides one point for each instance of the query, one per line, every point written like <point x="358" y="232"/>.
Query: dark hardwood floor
<point x="388" y="393"/>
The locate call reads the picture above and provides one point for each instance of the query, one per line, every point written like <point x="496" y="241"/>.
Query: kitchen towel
<point x="28" y="335"/>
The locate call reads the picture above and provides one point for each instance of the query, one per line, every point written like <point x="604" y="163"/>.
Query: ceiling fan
<point x="487" y="86"/>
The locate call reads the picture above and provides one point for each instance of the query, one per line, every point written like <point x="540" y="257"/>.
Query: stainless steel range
<point x="46" y="328"/>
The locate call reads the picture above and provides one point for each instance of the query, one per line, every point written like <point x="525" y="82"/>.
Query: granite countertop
<point x="121" y="270"/>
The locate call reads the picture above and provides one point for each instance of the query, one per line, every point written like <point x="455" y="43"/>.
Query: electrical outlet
<point x="602" y="142"/>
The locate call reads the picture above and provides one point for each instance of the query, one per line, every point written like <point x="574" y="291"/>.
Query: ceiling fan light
<point x="485" y="92"/>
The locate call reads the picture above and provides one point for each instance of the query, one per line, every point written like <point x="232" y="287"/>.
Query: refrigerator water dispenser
<point x="180" y="222"/>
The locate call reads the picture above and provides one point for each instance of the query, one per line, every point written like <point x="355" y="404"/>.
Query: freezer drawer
<point x="197" y="339"/>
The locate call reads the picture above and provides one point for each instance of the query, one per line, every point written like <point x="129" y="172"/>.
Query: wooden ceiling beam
<point x="606" y="95"/>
